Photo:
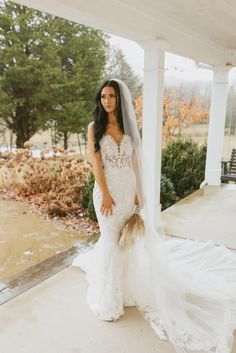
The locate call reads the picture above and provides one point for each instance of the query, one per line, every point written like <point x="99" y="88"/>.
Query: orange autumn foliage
<point x="178" y="113"/>
<point x="138" y="107"/>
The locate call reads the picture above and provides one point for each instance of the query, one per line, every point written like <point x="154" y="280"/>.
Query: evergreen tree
<point x="28" y="65"/>
<point x="118" y="67"/>
<point x="82" y="54"/>
<point x="49" y="71"/>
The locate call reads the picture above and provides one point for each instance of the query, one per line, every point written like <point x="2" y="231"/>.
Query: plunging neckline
<point x="118" y="144"/>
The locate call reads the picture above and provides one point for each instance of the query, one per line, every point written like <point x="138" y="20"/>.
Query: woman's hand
<point x="107" y="203"/>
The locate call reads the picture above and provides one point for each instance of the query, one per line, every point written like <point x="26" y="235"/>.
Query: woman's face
<point x="108" y="99"/>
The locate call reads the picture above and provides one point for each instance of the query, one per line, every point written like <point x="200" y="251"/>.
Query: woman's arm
<point x="95" y="158"/>
<point x="98" y="172"/>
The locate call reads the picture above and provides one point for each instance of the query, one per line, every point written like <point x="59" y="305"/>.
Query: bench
<point x="228" y="168"/>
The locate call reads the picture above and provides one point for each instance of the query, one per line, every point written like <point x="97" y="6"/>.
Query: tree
<point x="28" y="65"/>
<point x="180" y="112"/>
<point x="82" y="54"/>
<point x="49" y="71"/>
<point x="118" y="67"/>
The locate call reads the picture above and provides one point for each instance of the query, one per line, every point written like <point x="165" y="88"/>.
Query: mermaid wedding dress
<point x="185" y="289"/>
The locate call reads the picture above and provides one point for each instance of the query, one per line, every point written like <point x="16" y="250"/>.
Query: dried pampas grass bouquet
<point x="132" y="229"/>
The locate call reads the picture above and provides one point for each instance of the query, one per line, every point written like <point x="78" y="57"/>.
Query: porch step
<point x="40" y="272"/>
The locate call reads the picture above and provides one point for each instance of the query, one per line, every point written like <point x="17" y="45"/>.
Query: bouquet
<point x="132" y="229"/>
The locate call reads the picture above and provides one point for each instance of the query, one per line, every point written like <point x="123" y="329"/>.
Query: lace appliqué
<point x="116" y="155"/>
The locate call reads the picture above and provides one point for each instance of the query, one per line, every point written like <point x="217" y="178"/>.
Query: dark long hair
<point x="100" y="116"/>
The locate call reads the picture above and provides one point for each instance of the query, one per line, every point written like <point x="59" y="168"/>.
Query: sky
<point x="175" y="66"/>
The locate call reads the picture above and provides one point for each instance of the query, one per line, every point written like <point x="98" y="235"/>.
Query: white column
<point x="216" y="126"/>
<point x="154" y="57"/>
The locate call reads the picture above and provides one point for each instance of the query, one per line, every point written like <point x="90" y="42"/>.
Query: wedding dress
<point x="186" y="289"/>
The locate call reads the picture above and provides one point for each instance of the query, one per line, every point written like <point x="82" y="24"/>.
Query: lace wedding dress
<point x="186" y="289"/>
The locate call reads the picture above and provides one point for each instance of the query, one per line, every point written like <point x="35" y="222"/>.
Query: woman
<point x="185" y="289"/>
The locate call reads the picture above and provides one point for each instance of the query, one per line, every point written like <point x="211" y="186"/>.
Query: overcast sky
<point x="176" y="66"/>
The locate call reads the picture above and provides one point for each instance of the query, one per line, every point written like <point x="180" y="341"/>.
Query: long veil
<point x="184" y="298"/>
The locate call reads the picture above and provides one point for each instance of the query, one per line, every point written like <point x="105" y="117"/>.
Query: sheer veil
<point x="131" y="129"/>
<point x="170" y="297"/>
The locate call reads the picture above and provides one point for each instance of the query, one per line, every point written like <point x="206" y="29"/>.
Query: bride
<point x="185" y="289"/>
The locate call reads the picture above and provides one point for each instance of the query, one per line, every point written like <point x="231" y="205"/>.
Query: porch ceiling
<point x="198" y="29"/>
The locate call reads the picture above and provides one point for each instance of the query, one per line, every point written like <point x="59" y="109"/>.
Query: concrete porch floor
<point x="53" y="316"/>
<point x="208" y="213"/>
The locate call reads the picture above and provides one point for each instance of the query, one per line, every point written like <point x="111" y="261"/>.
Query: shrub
<point x="183" y="162"/>
<point x="63" y="184"/>
<point x="58" y="182"/>
<point x="168" y="195"/>
<point x="53" y="183"/>
<point x="86" y="195"/>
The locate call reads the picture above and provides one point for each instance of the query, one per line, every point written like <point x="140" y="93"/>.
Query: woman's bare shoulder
<point x="91" y="125"/>
<point x="91" y="128"/>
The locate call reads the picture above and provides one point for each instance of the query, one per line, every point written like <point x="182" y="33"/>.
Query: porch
<point x="208" y="213"/>
<point x="53" y="317"/>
